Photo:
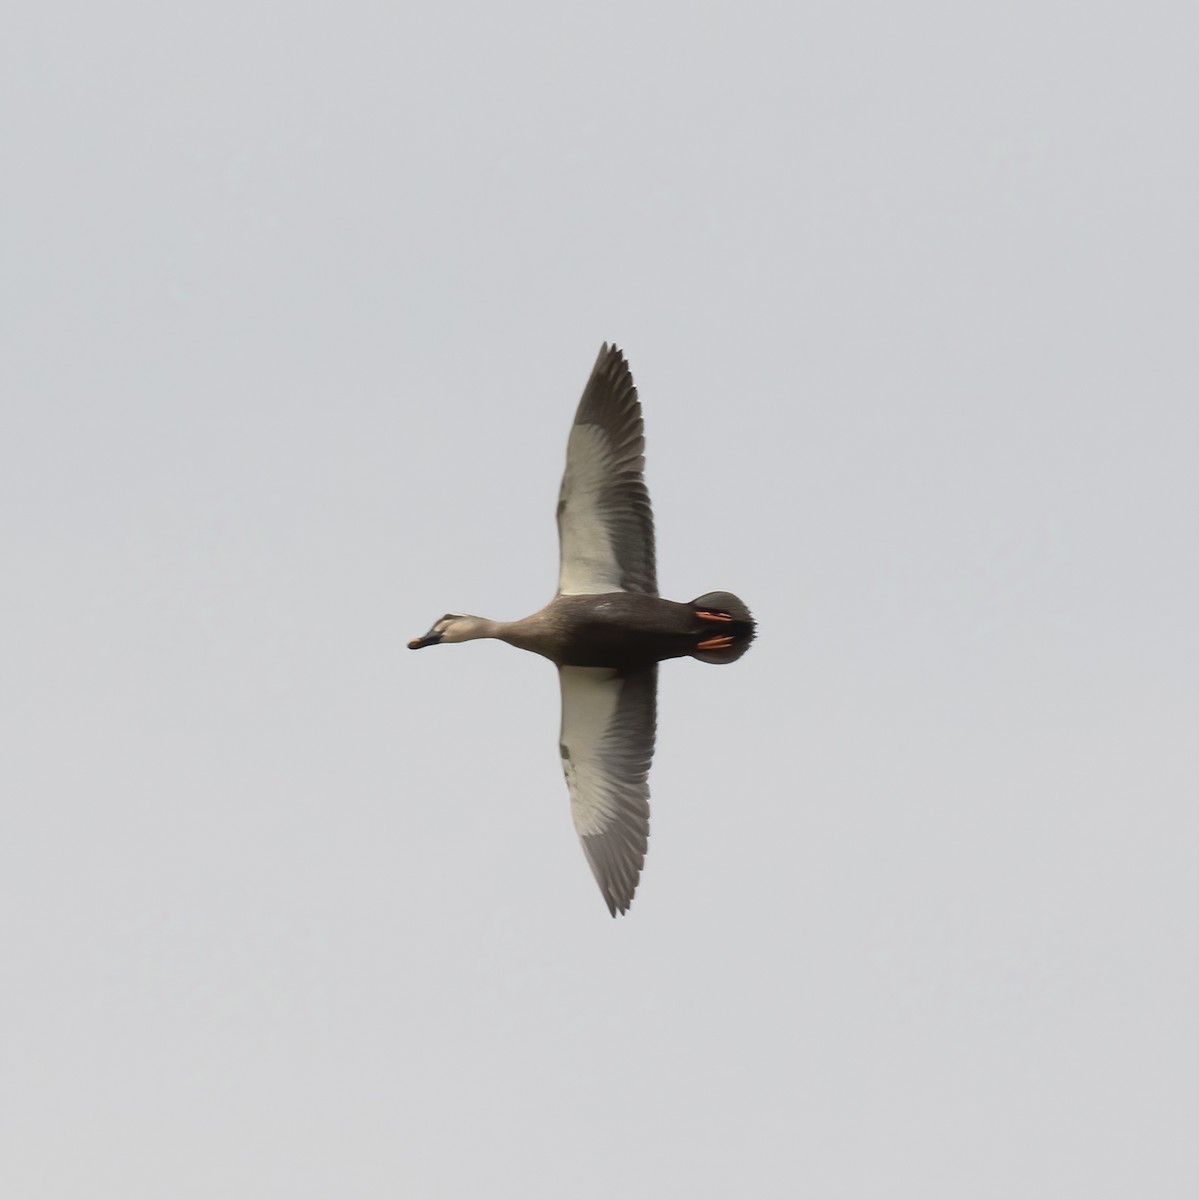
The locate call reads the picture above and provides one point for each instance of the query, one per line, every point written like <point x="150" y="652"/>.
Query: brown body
<point x="624" y="630"/>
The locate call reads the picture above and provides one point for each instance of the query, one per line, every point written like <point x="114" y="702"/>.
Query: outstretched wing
<point x="605" y="523"/>
<point x="608" y="725"/>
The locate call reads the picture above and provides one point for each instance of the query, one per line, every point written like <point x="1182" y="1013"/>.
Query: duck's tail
<point x="727" y="627"/>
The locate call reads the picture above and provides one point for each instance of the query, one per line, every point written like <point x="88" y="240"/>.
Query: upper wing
<point x="608" y="726"/>
<point x="605" y="524"/>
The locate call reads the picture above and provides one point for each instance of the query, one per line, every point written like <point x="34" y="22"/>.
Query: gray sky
<point x="297" y="304"/>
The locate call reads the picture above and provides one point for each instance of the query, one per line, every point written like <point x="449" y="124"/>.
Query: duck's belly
<point x="625" y="631"/>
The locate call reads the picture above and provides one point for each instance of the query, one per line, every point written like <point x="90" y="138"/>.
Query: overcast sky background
<point x="298" y="300"/>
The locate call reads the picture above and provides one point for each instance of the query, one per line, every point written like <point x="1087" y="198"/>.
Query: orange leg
<point x="713" y="616"/>
<point x="716" y="643"/>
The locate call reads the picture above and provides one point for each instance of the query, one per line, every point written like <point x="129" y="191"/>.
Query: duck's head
<point x="453" y="627"/>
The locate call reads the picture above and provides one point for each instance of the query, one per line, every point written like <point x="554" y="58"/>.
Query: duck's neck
<point x="522" y="634"/>
<point x="471" y="628"/>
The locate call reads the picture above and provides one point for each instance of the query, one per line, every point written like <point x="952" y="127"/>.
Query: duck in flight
<point x="607" y="629"/>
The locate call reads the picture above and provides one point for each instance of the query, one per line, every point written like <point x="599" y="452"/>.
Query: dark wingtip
<point x="610" y="355"/>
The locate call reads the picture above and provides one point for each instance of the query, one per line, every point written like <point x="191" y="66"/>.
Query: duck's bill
<point x="430" y="639"/>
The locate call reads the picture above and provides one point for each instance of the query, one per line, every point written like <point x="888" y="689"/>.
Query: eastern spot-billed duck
<point x="607" y="629"/>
